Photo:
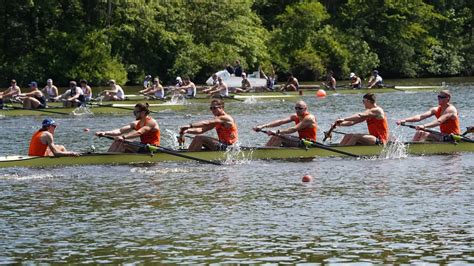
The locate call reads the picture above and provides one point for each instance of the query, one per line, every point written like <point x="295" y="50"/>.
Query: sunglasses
<point x="442" y="96"/>
<point x="214" y="107"/>
<point x="299" y="108"/>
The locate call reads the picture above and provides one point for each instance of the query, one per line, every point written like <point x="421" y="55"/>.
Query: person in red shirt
<point x="42" y="142"/>
<point x="224" y="124"/>
<point x="144" y="127"/>
<point x="447" y="120"/>
<point x="305" y="124"/>
<point x="376" y="120"/>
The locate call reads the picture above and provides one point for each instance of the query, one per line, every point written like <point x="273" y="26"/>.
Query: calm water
<point x="402" y="209"/>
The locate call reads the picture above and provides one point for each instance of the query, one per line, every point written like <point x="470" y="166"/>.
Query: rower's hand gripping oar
<point x="328" y="134"/>
<point x="456" y="138"/>
<point x="154" y="148"/>
<point x="308" y="143"/>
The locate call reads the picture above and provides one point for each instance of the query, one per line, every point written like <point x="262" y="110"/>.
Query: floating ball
<point x="321" y="93"/>
<point x="307" y="178"/>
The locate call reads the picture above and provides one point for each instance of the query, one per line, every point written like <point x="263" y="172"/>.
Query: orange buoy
<point x="321" y="93"/>
<point x="307" y="178"/>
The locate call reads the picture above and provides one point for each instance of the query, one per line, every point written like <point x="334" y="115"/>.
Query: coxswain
<point x="144" y="127"/>
<point x="447" y="118"/>
<point x="224" y="124"/>
<point x="305" y="124"/>
<point x="376" y="120"/>
<point x="42" y="142"/>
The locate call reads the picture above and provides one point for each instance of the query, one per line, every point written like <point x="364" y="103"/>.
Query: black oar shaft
<point x="164" y="150"/>
<point x="455" y="137"/>
<point x="318" y="145"/>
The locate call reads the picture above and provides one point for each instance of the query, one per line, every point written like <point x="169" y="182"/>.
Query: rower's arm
<point x="306" y="123"/>
<point x="449" y="114"/>
<point x="117" y="132"/>
<point x="275" y="123"/>
<point x="47" y="138"/>
<point x="353" y="119"/>
<point x="417" y="118"/>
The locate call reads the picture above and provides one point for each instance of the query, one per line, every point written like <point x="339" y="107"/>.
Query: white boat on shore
<point x="233" y="81"/>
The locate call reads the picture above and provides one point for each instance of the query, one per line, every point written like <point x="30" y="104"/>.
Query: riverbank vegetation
<point x="124" y="40"/>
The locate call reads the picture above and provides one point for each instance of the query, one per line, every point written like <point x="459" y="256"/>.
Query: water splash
<point x="82" y="110"/>
<point x="394" y="150"/>
<point x="251" y="100"/>
<point x="235" y="155"/>
<point x="177" y="99"/>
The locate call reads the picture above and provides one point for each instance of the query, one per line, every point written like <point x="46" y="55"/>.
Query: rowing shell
<point x="112" y="108"/>
<point x="241" y="154"/>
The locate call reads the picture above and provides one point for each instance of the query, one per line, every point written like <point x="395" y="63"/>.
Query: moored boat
<point x="247" y="153"/>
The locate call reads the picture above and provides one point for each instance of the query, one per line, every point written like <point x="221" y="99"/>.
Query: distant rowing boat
<point x="242" y="154"/>
<point x="107" y="108"/>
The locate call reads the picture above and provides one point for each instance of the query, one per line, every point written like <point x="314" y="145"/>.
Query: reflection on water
<point x="393" y="209"/>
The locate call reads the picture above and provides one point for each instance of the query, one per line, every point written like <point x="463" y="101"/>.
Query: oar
<point x="328" y="134"/>
<point x="115" y="106"/>
<point x="154" y="148"/>
<point x="309" y="143"/>
<point x="468" y="130"/>
<point x="44" y="110"/>
<point x="455" y="137"/>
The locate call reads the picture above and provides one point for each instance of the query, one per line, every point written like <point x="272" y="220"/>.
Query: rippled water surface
<point x="404" y="209"/>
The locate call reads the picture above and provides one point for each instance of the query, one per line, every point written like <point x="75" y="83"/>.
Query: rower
<point x="376" y="120"/>
<point x="33" y="99"/>
<point x="330" y="81"/>
<point x="305" y="124"/>
<point x="375" y="80"/>
<point x="220" y="89"/>
<point x="292" y="84"/>
<point x="447" y="120"/>
<point x="156" y="90"/>
<point x="50" y="91"/>
<point x="10" y="93"/>
<point x="42" y="142"/>
<point x="188" y="88"/>
<point x="356" y="82"/>
<point x="86" y="89"/>
<point x="115" y="93"/>
<point x="73" y="97"/>
<point x="144" y="127"/>
<point x="224" y="124"/>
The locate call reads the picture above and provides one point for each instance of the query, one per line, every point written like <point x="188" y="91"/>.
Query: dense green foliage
<point x="124" y="40"/>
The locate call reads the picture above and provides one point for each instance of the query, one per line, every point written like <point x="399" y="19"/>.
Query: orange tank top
<point x="227" y="136"/>
<point x="150" y="137"/>
<point x="37" y="148"/>
<point x="307" y="133"/>
<point x="378" y="128"/>
<point x="450" y="126"/>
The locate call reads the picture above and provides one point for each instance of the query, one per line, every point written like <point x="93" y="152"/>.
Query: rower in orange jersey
<point x="447" y="120"/>
<point x="376" y="120"/>
<point x="42" y="142"/>
<point x="223" y="123"/>
<point x="144" y="127"/>
<point x="305" y="124"/>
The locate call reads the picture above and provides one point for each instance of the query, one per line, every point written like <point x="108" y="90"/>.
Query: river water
<point x="396" y="209"/>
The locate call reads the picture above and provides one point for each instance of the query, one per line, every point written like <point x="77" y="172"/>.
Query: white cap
<point x="179" y="79"/>
<point x="352" y="75"/>
<point x="49" y="81"/>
